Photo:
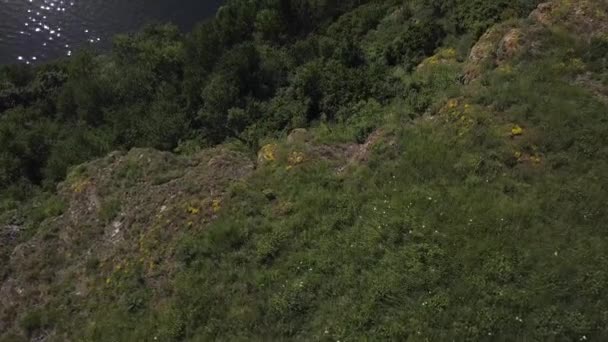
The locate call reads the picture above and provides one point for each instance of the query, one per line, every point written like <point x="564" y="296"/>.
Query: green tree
<point x="269" y="25"/>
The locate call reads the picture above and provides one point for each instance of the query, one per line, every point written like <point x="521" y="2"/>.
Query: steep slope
<point x="119" y="210"/>
<point x="471" y="208"/>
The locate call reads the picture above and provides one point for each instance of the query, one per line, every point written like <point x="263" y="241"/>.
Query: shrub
<point x="110" y="208"/>
<point x="36" y="320"/>
<point x="46" y="206"/>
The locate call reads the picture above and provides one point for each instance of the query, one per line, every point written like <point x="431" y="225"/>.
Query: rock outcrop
<point x="123" y="209"/>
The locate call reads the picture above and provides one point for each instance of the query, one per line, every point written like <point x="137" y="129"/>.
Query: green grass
<point x="110" y="208"/>
<point x="438" y="238"/>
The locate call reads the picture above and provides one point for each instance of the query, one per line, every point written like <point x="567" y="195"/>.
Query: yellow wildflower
<point x="577" y="64"/>
<point x="448" y="53"/>
<point x="517" y="130"/>
<point x="295" y="158"/>
<point x="506" y="69"/>
<point x="269" y="152"/>
<point x="452" y="103"/>
<point x="80" y="186"/>
<point x="216" y="205"/>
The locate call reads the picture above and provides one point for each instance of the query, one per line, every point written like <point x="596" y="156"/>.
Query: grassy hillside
<point x="450" y="182"/>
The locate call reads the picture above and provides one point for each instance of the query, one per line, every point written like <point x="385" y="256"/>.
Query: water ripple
<point x="37" y="30"/>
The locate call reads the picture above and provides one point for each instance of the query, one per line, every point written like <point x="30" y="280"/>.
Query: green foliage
<point x="269" y="25"/>
<point x="130" y="173"/>
<point x="419" y="39"/>
<point x="82" y="96"/>
<point x="63" y="155"/>
<point x="48" y="206"/>
<point x="158" y="50"/>
<point x="367" y="117"/>
<point x="110" y="208"/>
<point x="37" y="321"/>
<point x="597" y="55"/>
<point x="477" y="15"/>
<point x="26" y="137"/>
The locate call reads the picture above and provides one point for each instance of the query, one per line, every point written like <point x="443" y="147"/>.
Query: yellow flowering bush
<point x="452" y="103"/>
<point x="80" y="185"/>
<point x="505" y="69"/>
<point x="216" y="205"/>
<point x="295" y="158"/>
<point x="459" y="113"/>
<point x="517" y="131"/>
<point x="193" y="210"/>
<point x="269" y="152"/>
<point x="443" y="56"/>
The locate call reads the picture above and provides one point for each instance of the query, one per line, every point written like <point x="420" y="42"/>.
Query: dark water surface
<point x="32" y="31"/>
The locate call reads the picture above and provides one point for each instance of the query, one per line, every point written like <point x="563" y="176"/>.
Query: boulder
<point x="510" y="44"/>
<point x="298" y="135"/>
